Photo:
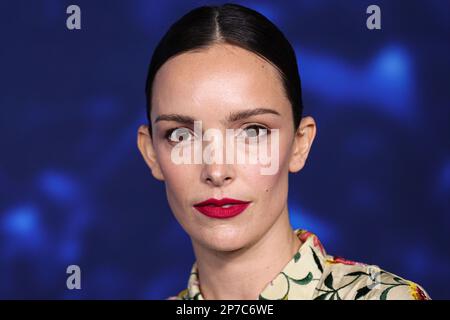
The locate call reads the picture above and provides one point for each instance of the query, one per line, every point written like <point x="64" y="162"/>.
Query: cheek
<point x="278" y="152"/>
<point x="271" y="186"/>
<point x="177" y="188"/>
<point x="265" y="186"/>
<point x="179" y="179"/>
<point x="168" y="167"/>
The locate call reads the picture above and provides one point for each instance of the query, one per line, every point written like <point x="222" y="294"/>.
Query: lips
<point x="221" y="209"/>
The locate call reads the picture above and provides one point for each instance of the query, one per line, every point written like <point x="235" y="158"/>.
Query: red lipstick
<point x="221" y="209"/>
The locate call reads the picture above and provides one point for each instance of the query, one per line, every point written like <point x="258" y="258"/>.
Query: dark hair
<point x="237" y="25"/>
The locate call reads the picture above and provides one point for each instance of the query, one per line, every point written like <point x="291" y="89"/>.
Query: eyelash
<point x="258" y="126"/>
<point x="169" y="132"/>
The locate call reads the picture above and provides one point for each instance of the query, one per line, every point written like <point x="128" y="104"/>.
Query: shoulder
<point x="345" y="279"/>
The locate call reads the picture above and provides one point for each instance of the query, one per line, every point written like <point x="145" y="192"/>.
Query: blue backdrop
<point x="74" y="189"/>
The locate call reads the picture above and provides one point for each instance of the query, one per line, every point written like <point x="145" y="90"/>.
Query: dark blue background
<point x="74" y="189"/>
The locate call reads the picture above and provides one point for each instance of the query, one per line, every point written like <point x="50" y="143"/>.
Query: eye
<point x="179" y="135"/>
<point x="254" y="131"/>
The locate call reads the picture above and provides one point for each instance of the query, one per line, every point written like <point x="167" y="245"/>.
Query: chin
<point x="225" y="238"/>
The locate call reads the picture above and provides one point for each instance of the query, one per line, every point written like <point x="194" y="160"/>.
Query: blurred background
<point x="75" y="190"/>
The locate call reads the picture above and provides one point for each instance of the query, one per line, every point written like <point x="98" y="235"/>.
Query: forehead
<point x="220" y="78"/>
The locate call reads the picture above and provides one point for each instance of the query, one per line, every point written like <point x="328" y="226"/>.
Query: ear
<point x="145" y="145"/>
<point x="303" y="139"/>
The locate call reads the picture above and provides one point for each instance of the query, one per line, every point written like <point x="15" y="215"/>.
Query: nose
<point x="217" y="175"/>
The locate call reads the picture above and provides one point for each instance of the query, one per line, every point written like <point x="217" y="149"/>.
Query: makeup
<point x="221" y="209"/>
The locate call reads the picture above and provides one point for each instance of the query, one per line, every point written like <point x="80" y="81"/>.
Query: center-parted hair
<point x="236" y="25"/>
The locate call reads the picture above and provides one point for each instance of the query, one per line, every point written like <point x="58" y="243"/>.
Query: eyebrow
<point x="232" y="117"/>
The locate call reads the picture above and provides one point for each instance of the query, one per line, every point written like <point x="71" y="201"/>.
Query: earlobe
<point x="145" y="146"/>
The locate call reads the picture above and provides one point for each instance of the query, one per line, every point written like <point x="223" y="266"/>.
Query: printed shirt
<point x="313" y="275"/>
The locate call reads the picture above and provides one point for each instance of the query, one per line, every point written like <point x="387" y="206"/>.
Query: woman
<point x="228" y="70"/>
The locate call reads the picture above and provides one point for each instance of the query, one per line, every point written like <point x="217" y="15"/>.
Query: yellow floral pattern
<point x="313" y="275"/>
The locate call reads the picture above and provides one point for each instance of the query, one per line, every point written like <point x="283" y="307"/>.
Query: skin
<point x="236" y="257"/>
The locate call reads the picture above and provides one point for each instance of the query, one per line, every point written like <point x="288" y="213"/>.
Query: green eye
<point x="179" y="135"/>
<point x="254" y="131"/>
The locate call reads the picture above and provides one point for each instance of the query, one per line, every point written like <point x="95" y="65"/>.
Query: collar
<point x="297" y="280"/>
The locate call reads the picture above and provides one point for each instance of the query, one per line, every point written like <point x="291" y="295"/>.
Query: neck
<point x="243" y="274"/>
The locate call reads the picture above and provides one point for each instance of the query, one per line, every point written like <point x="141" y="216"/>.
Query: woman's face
<point x="211" y="86"/>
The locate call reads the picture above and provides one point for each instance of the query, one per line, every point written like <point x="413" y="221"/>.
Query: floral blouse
<point x="314" y="275"/>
